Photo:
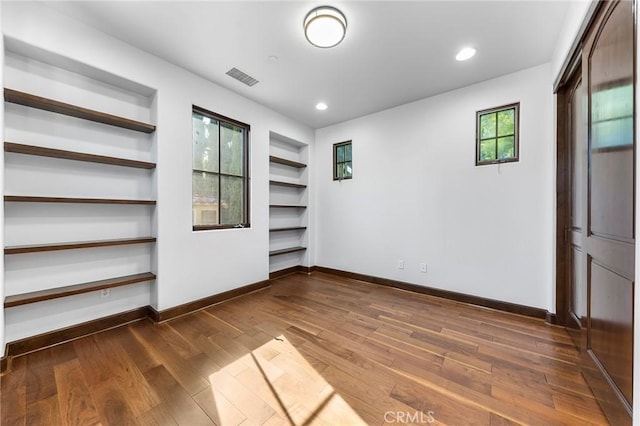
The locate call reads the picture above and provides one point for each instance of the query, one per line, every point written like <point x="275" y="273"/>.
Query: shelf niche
<point x="288" y="196"/>
<point x="37" y="81"/>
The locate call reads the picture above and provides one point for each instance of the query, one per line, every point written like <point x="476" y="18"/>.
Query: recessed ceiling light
<point x="273" y="58"/>
<point x="321" y="106"/>
<point x="466" y="53"/>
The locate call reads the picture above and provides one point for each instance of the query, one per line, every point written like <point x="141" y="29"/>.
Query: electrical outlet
<point x="400" y="264"/>
<point x="105" y="292"/>
<point x="423" y="267"/>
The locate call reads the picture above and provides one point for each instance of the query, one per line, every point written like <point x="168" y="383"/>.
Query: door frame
<point x="609" y="397"/>
<point x="562" y="89"/>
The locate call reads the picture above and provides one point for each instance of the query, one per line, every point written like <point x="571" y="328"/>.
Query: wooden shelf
<point x="77" y="156"/>
<point x="286" y="162"/>
<point x="287" y="250"/>
<point x="54" y="293"/>
<point x="283" y="206"/>
<point x="76" y="245"/>
<point x="287" y="184"/>
<point x="293" y="228"/>
<point x="32" y="199"/>
<point x="46" y="104"/>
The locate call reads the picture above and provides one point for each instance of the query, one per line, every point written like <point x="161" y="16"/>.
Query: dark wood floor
<point x="310" y="350"/>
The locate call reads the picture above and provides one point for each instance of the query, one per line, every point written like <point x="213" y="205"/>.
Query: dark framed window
<point x="220" y="178"/>
<point x="497" y="135"/>
<point x="342" y="161"/>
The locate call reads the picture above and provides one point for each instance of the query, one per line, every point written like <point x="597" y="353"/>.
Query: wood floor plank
<point x="141" y="398"/>
<point x="44" y="412"/>
<point x="13" y="393"/>
<point x="157" y="416"/>
<point x="76" y="404"/>
<point x="142" y="358"/>
<point x="112" y="404"/>
<point x="434" y="405"/>
<point x="180" y="369"/>
<point x="218" y="408"/>
<point x="40" y="380"/>
<point x="255" y="409"/>
<point x="95" y="365"/>
<point x="318" y="349"/>
<point x="585" y="408"/>
<point x="183" y="409"/>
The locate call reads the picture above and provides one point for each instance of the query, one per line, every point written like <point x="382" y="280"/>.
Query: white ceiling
<point x="394" y="52"/>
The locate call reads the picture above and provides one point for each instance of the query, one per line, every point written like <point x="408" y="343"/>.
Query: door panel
<point x="578" y="301"/>
<point x="578" y="150"/>
<point x="611" y="329"/>
<point x="610" y="240"/>
<point x="611" y="186"/>
<point x="611" y="74"/>
<point x="578" y="134"/>
<point x="596" y="210"/>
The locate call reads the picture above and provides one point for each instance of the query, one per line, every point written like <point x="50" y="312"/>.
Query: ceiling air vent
<point x="242" y="77"/>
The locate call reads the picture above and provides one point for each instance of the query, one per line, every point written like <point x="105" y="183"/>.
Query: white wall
<point x="573" y="20"/>
<point x="190" y="265"/>
<point x="417" y="195"/>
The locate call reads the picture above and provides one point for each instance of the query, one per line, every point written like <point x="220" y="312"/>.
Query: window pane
<point x="613" y="133"/>
<point x="205" y="199"/>
<point x="205" y="143"/>
<point x="348" y="171"/>
<point x="340" y="153"/>
<point x="488" y="126"/>
<point x="340" y="170"/>
<point x="231" y="200"/>
<point x="231" y="146"/>
<point x="488" y="150"/>
<point x="613" y="102"/>
<point x="347" y="152"/>
<point x="506" y="122"/>
<point x="506" y="147"/>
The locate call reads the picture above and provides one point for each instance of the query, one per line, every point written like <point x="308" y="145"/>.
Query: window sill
<point x="216" y="227"/>
<point x="506" y="160"/>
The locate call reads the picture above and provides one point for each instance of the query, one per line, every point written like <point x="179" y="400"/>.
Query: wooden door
<point x="576" y="318"/>
<point x="608" y="70"/>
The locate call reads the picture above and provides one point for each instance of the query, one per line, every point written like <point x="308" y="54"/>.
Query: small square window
<point x="497" y="135"/>
<point x="342" y="161"/>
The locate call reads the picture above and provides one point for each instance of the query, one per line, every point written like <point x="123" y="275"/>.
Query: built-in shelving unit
<point x="291" y="228"/>
<point x="287" y="184"/>
<point x="73" y="200"/>
<point x="284" y="161"/>
<point x="288" y="195"/>
<point x="79" y="191"/>
<point x="286" y="250"/>
<point x="77" y="156"/>
<point x="71" y="290"/>
<point x="286" y="206"/>
<point x="76" y="245"/>
<point x="45" y="104"/>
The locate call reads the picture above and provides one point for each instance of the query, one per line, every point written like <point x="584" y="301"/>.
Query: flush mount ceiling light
<point x="325" y="26"/>
<point x="466" y="53"/>
<point x="321" y="106"/>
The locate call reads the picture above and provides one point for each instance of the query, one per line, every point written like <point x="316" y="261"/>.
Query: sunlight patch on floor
<point x="275" y="385"/>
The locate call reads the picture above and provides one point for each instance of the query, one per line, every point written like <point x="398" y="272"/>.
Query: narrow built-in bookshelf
<point x="69" y="157"/>
<point x="288" y="197"/>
